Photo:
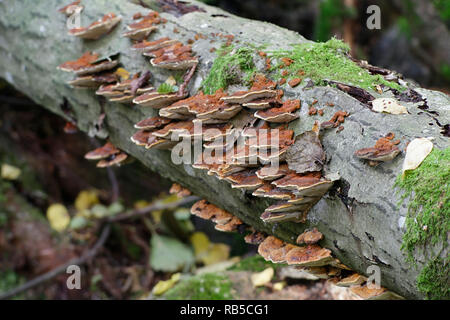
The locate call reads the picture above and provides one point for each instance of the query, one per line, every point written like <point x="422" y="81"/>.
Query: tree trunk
<point x="359" y="218"/>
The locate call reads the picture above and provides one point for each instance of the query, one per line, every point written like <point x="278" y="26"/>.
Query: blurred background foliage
<point x="414" y="38"/>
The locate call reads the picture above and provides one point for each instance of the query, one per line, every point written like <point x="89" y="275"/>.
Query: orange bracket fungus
<point x="72" y="8"/>
<point x="89" y="63"/>
<point x="310" y="237"/>
<point x="98" y="28"/>
<point x="384" y="150"/>
<point x="141" y="30"/>
<point x="309" y="256"/>
<point x="282" y="114"/>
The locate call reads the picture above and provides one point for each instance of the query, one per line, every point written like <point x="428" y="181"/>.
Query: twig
<point x="153" y="207"/>
<point x="53" y="273"/>
<point x="100" y="242"/>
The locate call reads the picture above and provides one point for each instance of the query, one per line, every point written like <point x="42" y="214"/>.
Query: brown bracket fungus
<point x="282" y="114"/>
<point x="103" y="152"/>
<point x="141" y="30"/>
<point x="309" y="256"/>
<point x="152" y="123"/>
<point x="384" y="150"/>
<point x="98" y="28"/>
<point x="89" y="63"/>
<point x="179" y="190"/>
<point x="93" y="81"/>
<point x="262" y="88"/>
<point x="114" y="160"/>
<point x="353" y="280"/>
<point x="157" y="100"/>
<point x="148" y="46"/>
<point x="74" y="7"/>
<point x="310" y="237"/>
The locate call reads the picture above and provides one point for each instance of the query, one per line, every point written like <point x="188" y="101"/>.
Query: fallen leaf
<point x="10" y="172"/>
<point x="416" y="152"/>
<point x="262" y="278"/>
<point x="388" y="105"/>
<point x="78" y="222"/>
<point x="86" y="199"/>
<point x="58" y="217"/>
<point x="169" y="254"/>
<point x="123" y="74"/>
<point x="278" y="286"/>
<point x="163" y="286"/>
<point x="218" y="252"/>
<point x="200" y="242"/>
<point x="306" y="154"/>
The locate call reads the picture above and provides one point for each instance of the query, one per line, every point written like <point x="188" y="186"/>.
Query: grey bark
<point x="360" y="220"/>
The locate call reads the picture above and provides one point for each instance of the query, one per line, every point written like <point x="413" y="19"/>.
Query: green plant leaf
<point x="169" y="254"/>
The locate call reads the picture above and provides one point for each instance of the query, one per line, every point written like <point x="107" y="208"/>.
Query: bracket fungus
<point x="148" y="46"/>
<point x="224" y="220"/>
<point x="141" y="30"/>
<point x="294" y="216"/>
<point x="254" y="237"/>
<point x="157" y="100"/>
<point x="89" y="63"/>
<point x="282" y="114"/>
<point x="98" y="28"/>
<point x="179" y="190"/>
<point x="108" y="155"/>
<point x="270" y="191"/>
<point x="352" y="280"/>
<point x="114" y="160"/>
<point x="152" y="123"/>
<point x="268" y="173"/>
<point x="310" y="237"/>
<point x="94" y="80"/>
<point x="309" y="256"/>
<point x="366" y="293"/>
<point x="384" y="150"/>
<point x="262" y="88"/>
<point x="74" y="7"/>
<point x="103" y="152"/>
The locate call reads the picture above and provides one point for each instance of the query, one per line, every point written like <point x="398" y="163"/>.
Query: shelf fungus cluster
<point x="108" y="155"/>
<point x="98" y="28"/>
<point x="385" y="149"/>
<point x="224" y="221"/>
<point x="143" y="26"/>
<point x="91" y="70"/>
<point x="311" y="258"/>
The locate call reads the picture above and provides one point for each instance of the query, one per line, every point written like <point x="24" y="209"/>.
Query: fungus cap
<point x="157" y="100"/>
<point x="310" y="237"/>
<point x="102" y="153"/>
<point x="114" y="160"/>
<point x="309" y="256"/>
<point x="97" y="29"/>
<point x="152" y="123"/>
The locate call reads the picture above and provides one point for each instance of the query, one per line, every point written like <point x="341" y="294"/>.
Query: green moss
<point x="326" y="61"/>
<point x="428" y="218"/>
<point x="443" y="8"/>
<point x="208" y="286"/>
<point x="434" y="280"/>
<point x="254" y="263"/>
<point x="166" y="88"/>
<point x="232" y="66"/>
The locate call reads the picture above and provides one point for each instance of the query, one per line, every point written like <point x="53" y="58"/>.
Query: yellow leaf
<point x="262" y="278"/>
<point x="278" y="286"/>
<point x="10" y="172"/>
<point x="416" y="152"/>
<point x="58" y="217"/>
<point x="216" y="253"/>
<point x="200" y="242"/>
<point x="163" y="286"/>
<point x="86" y="199"/>
<point x="123" y="74"/>
<point x="171" y="80"/>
